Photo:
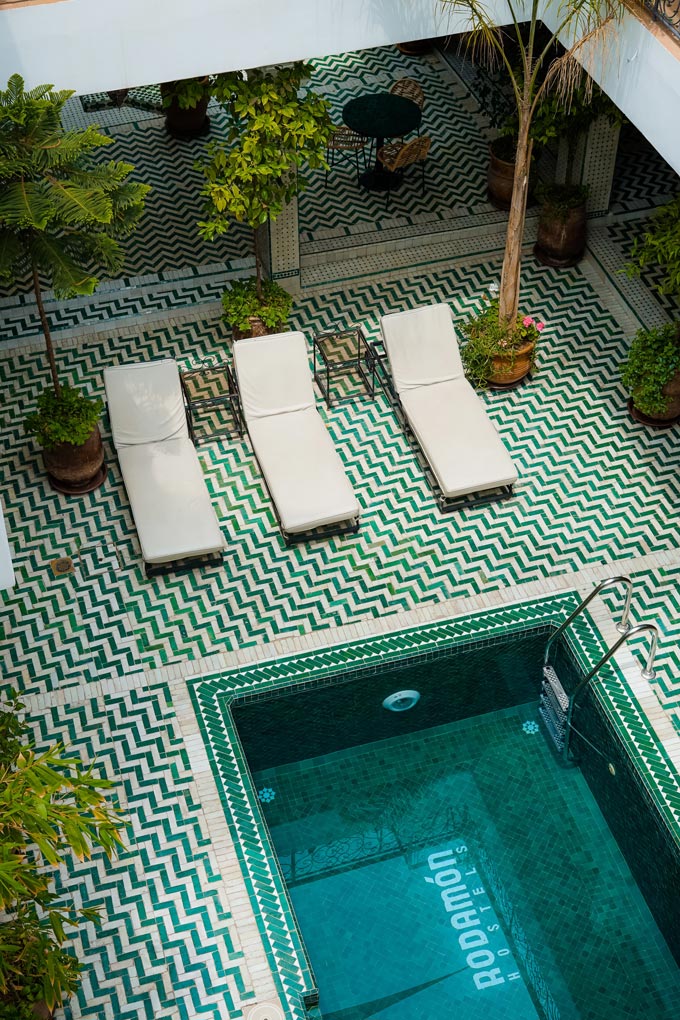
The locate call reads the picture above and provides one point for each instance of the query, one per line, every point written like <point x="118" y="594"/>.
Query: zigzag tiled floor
<point x="580" y="460"/>
<point x="102" y="656"/>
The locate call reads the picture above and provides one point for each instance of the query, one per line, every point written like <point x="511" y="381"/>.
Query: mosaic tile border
<point x="212" y="697"/>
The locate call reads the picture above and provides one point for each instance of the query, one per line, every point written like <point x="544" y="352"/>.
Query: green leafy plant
<point x="275" y="128"/>
<point x="557" y="199"/>
<point x="61" y="212"/>
<point x="488" y="338"/>
<point x="571" y="122"/>
<point x="660" y="246"/>
<point x="187" y="92"/>
<point x="533" y="71"/>
<point x="66" y="417"/>
<point x="35" y="967"/>
<point x="50" y="808"/>
<point x="653" y="360"/>
<point x="242" y="302"/>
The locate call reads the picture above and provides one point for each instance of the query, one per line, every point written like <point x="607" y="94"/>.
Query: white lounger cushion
<point x="170" y="501"/>
<point x="304" y="474"/>
<point x="447" y="417"/>
<point x="273" y="374"/>
<point x="302" y="469"/>
<point x="459" y="440"/>
<point x="422" y="347"/>
<point x="145" y="402"/>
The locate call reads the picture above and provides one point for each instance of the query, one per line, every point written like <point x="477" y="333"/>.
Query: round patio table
<point x="380" y="116"/>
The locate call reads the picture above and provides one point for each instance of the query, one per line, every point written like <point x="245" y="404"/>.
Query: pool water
<point x="457" y="870"/>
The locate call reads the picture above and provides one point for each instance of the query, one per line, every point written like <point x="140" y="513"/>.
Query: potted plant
<point x="63" y="213"/>
<point x="275" y="128"/>
<point x="185" y="103"/>
<point x="50" y="808"/>
<point x="248" y="314"/>
<point x="66" y="427"/>
<point x="651" y="374"/>
<point x="498" y="356"/>
<point x="30" y="987"/>
<point x="501" y="171"/>
<point x="537" y="73"/>
<point x="659" y="247"/>
<point x="562" y="220"/>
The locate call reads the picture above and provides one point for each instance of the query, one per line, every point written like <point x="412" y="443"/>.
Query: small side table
<point x="343" y="353"/>
<point x="209" y="392"/>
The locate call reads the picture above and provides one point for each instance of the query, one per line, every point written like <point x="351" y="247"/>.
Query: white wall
<point x="97" y="45"/>
<point x="640" y="71"/>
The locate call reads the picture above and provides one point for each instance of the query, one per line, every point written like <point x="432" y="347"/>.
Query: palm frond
<point x="76" y="206"/>
<point x="51" y="254"/>
<point x="12" y="254"/>
<point x="25" y="204"/>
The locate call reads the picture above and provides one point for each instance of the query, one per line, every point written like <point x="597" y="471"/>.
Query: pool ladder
<point x="555" y="706"/>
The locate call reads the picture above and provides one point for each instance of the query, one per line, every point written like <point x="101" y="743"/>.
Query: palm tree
<point x="61" y="211"/>
<point x="584" y="23"/>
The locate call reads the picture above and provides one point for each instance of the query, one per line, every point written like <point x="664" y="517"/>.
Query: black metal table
<point x="343" y="352"/>
<point x="380" y="116"/>
<point x="209" y="391"/>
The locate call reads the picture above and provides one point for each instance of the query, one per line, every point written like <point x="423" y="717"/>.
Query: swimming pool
<point x="441" y="861"/>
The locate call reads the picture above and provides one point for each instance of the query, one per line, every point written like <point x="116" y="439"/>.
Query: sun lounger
<point x="300" y="465"/>
<point x="170" y="502"/>
<point x="459" y="441"/>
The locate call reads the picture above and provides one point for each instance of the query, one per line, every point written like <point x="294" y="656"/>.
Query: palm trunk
<point x="46" y="330"/>
<point x="510" y="276"/>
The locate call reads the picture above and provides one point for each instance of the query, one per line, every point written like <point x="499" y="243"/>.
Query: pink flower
<point x="540" y="326"/>
<point x="527" y="321"/>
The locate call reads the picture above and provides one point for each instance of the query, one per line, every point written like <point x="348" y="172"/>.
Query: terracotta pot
<point x="257" y="328"/>
<point x="508" y="371"/>
<point x="499" y="180"/>
<point x="191" y="123"/>
<point x="561" y="241"/>
<point x="671" y="416"/>
<point x="74" y="469"/>
<point x="42" y="1011"/>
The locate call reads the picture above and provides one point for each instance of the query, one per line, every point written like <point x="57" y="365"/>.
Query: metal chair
<point x="409" y="89"/>
<point x="396" y="158"/>
<point x="345" y="144"/>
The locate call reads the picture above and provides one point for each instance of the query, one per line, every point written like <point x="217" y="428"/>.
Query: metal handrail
<point x="665" y="11"/>
<point x="648" y="672"/>
<point x="623" y="626"/>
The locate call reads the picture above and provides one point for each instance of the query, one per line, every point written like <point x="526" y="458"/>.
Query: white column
<point x="284" y="248"/>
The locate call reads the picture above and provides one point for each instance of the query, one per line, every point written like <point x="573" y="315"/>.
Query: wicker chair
<point x="345" y="144"/>
<point x="409" y="89"/>
<point x="396" y="158"/>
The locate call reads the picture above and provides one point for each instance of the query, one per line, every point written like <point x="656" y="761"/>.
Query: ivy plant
<point x="242" y="302"/>
<point x="653" y="360"/>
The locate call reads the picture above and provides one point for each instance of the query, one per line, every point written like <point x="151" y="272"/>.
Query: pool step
<point x="553" y="705"/>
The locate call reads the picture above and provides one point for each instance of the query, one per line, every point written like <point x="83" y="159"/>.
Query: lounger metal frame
<point x="445" y="504"/>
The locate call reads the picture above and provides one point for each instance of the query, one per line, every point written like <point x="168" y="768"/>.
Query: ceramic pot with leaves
<point x="651" y="374"/>
<point x="251" y="314"/>
<point x="185" y="104"/>
<point x="66" y="427"/>
<point x="496" y="356"/>
<point x="562" y="225"/>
